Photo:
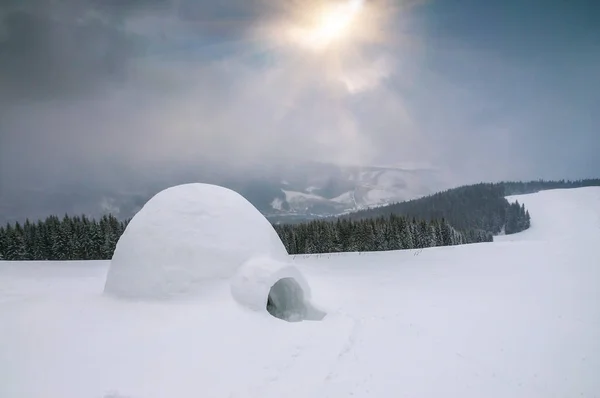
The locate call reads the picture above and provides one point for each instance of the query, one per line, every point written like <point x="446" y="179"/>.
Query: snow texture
<point x="186" y="238"/>
<point x="515" y="318"/>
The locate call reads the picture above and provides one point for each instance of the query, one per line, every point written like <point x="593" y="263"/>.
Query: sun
<point x="327" y="25"/>
<point x="321" y="26"/>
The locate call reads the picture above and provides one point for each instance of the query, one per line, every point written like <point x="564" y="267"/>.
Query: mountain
<point x="288" y="192"/>
<point x="319" y="189"/>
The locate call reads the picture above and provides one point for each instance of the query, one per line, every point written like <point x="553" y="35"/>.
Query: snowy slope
<point x="559" y="214"/>
<point x="513" y="318"/>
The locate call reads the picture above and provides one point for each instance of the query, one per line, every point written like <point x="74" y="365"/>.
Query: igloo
<point x="189" y="237"/>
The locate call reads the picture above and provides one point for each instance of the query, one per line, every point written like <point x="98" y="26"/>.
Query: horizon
<point x="275" y="218"/>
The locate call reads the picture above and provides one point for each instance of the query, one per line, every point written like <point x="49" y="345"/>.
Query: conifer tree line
<point x="379" y="234"/>
<point x="82" y="238"/>
<point x="69" y="238"/>
<point x="521" y="188"/>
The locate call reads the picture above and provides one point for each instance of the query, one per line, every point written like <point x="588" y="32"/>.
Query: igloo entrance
<point x="286" y="301"/>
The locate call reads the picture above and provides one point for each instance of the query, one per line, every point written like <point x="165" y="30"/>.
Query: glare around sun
<point x="329" y="39"/>
<point x="327" y="25"/>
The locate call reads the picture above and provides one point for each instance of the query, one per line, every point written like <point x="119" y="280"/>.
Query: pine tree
<point x="447" y="233"/>
<point x="16" y="244"/>
<point x="379" y="237"/>
<point x="51" y="239"/>
<point x="310" y="247"/>
<point x="64" y="243"/>
<point x="2" y="242"/>
<point x="109" y="243"/>
<point x="39" y="244"/>
<point x="96" y="241"/>
<point x="407" y="238"/>
<point x="28" y="238"/>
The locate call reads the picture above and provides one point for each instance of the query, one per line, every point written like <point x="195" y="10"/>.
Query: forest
<point x="379" y="234"/>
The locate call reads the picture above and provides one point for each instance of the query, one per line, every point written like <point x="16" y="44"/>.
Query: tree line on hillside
<point x="379" y="234"/>
<point x="81" y="238"/>
<point x="474" y="207"/>
<point x="521" y="188"/>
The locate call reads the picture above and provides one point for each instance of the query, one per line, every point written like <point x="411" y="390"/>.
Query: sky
<point x="484" y="90"/>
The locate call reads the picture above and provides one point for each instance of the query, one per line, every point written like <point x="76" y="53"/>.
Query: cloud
<point x="93" y="90"/>
<point x="56" y="52"/>
<point x="144" y="82"/>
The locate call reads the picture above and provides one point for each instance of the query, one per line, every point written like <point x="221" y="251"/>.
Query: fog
<point x="98" y="91"/>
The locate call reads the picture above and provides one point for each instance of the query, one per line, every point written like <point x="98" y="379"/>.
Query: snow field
<point x="514" y="318"/>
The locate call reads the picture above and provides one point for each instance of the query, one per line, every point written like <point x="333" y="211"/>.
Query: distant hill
<point x="473" y="207"/>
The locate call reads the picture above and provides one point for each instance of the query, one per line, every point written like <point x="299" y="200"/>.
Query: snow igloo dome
<point x="190" y="236"/>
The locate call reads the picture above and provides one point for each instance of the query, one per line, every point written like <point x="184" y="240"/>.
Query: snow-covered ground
<point x="519" y="317"/>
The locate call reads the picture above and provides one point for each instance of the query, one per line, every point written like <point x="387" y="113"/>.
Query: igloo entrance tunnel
<point x="286" y="301"/>
<point x="279" y="287"/>
<point x="191" y="237"/>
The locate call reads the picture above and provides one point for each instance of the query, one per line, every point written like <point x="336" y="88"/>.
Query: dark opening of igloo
<point x="286" y="301"/>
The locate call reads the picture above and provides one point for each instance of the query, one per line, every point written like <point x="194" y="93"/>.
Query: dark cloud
<point x="48" y="52"/>
<point x="64" y="48"/>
